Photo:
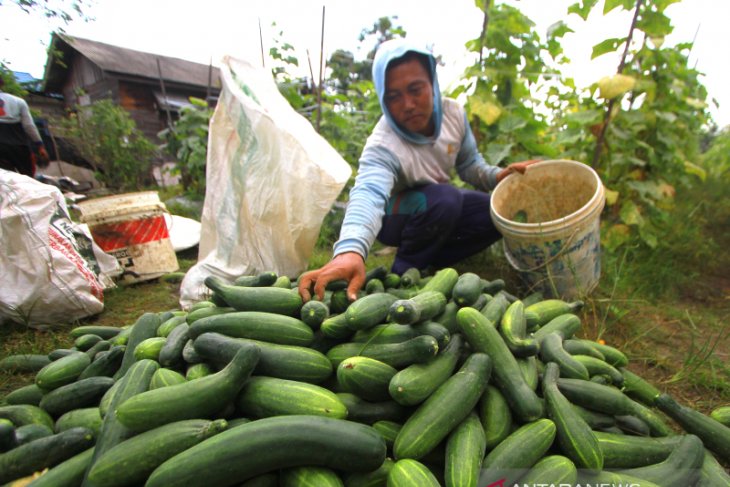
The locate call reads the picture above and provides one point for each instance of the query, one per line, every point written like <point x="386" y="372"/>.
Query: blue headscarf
<point x="393" y="49"/>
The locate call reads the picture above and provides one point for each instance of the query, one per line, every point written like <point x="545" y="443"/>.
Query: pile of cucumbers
<point x="440" y="380"/>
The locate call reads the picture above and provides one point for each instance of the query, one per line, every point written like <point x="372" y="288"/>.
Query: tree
<point x="63" y="10"/>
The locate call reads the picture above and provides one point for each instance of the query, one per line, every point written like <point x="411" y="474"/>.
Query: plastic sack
<point x="50" y="268"/>
<point x="270" y="181"/>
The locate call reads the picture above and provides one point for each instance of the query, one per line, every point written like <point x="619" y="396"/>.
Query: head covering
<point x="387" y="52"/>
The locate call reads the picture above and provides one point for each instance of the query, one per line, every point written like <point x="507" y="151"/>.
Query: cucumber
<point x="339" y="302"/>
<point x="30" y="394"/>
<point x="639" y="389"/>
<point x="513" y="329"/>
<point x="22" y="414"/>
<point x="566" y="325"/>
<point x="123" y="336"/>
<point x="262" y="279"/>
<point x="374" y="286"/>
<point x="542" y="312"/>
<point x="368" y="412"/>
<point x="422" y="306"/>
<point x="262" y="397"/>
<point x="145" y="327"/>
<point x="411" y="473"/>
<point x="494" y="286"/>
<point x="447" y="318"/>
<point x="580" y="347"/>
<point x="79" y="394"/>
<point x="23" y="363"/>
<point x="596" y="397"/>
<point x="399" y="355"/>
<point x="7" y="435"/>
<point x="385" y="333"/>
<point x="171" y="352"/>
<point x="69" y="473"/>
<point x="411" y="277"/>
<point x="194" y="316"/>
<point x="60" y="353"/>
<point x="465" y="448"/>
<point x="596" y="366"/>
<point x="378" y="272"/>
<point x="62" y="371"/>
<point x="190" y="355"/>
<point x="391" y="279"/>
<point x="376" y="478"/>
<point x="494" y="310"/>
<point x="450" y="403"/>
<point x="551" y="350"/>
<point x="196" y="399"/>
<point x="43" y="453"/>
<point x="714" y="435"/>
<point x="596" y="420"/>
<point x="89" y="418"/>
<point x="631" y="425"/>
<point x="519" y="452"/>
<point x="164" y="377"/>
<point x="97" y="348"/>
<point x="495" y="416"/>
<point x="720" y="414"/>
<point x="271" y="444"/>
<point x="274" y="300"/>
<point x="627" y="451"/>
<point x="310" y="476"/>
<point x="149" y="348"/>
<point x="85" y="342"/>
<point x="530" y="371"/>
<point x="336" y="327"/>
<point x="365" y="377"/>
<point x="105" y="365"/>
<point x="313" y="313"/>
<point x="368" y="311"/>
<point x="443" y="281"/>
<point x="166" y="327"/>
<point x="712" y="473"/>
<point x="104" y="332"/>
<point x="680" y="469"/>
<point x="413" y="384"/>
<point x="611" y="354"/>
<point x="133" y="460"/>
<point x="484" y="337"/>
<point x="198" y="371"/>
<point x="29" y="432"/>
<point x="575" y="436"/>
<point x="434" y="329"/>
<point x="388" y="430"/>
<point x="467" y="289"/>
<point x="283" y="282"/>
<point x="551" y="470"/>
<point x="256" y="325"/>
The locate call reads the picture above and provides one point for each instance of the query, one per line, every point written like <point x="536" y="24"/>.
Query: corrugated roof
<point x="128" y="61"/>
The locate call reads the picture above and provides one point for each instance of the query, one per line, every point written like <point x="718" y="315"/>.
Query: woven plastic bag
<point x="270" y="181"/>
<point x="50" y="268"/>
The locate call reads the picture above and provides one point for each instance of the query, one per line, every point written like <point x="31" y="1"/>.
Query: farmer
<point x="402" y="194"/>
<point x="21" y="146"/>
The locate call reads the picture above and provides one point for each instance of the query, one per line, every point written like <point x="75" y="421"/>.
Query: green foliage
<point x="187" y="142"/>
<point x="11" y="85"/>
<point x="716" y="160"/>
<point x="105" y="135"/>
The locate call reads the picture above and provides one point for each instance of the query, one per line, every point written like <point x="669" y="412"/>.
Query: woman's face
<point x="409" y="97"/>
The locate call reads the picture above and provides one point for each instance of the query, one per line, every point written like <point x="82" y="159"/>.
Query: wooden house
<point x="151" y="87"/>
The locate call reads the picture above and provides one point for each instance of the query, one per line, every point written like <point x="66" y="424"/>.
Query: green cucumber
<point x="413" y="384"/>
<point x="189" y="354"/>
<point x="368" y="412"/>
<point x="133" y="460"/>
<point x="385" y="333"/>
<point x="411" y="473"/>
<point x="198" y="399"/>
<point x="105" y="365"/>
<point x="596" y="420"/>
<point x="530" y="371"/>
<point x="484" y="337"/>
<point x="262" y="279"/>
<point x="495" y="416"/>
<point x="149" y="348"/>
<point x="262" y="397"/>
<point x="375" y="478"/>
<point x="198" y="371"/>
<point x="628" y="451"/>
<point x="443" y="281"/>
<point x="449" y="404"/>
<point x="448" y="317"/>
<point x="714" y="435"/>
<point x="83" y="417"/>
<point x="411" y="277"/>
<point x="712" y="473"/>
<point x="271" y="444"/>
<point x="166" y="327"/>
<point x="336" y="327"/>
<point x="256" y="325"/>
<point x="7" y="435"/>
<point x="145" y="327"/>
<point x="467" y="289"/>
<point x="374" y="286"/>
<point x="513" y="329"/>
<point x="566" y="325"/>
<point x="551" y="350"/>
<point x="97" y="348"/>
<point x="388" y="430"/>
<point x="720" y="414"/>
<point x="632" y="425"/>
<point x="69" y="473"/>
<point x="85" y="342"/>
<point x="313" y="313"/>
<point x="520" y="451"/>
<point x="310" y="476"/>
<point x="171" y="352"/>
<point x="422" y="306"/>
<point x="551" y="470"/>
<point x="680" y="469"/>
<point x="391" y="279"/>
<point x="104" y="332"/>
<point x="639" y="389"/>
<point x="29" y="432"/>
<point x="465" y="448"/>
<point x="23" y="363"/>
<point x="611" y="354"/>
<point x="43" y="453"/>
<point x="164" y="377"/>
<point x="30" y="394"/>
<point x="194" y="316"/>
<point x="494" y="310"/>
<point x="542" y="312"/>
<point x="366" y="377"/>
<point x="269" y="299"/>
<point x="62" y="371"/>
<point x="80" y="394"/>
<point x="596" y="366"/>
<point x="368" y="311"/>
<point x="54" y="355"/>
<point x="21" y="414"/>
<point x="123" y="336"/>
<point x="575" y="436"/>
<point x="494" y="286"/>
<point x="596" y="397"/>
<point x="399" y="355"/>
<point x="282" y="361"/>
<point x="434" y="329"/>
<point x="579" y="347"/>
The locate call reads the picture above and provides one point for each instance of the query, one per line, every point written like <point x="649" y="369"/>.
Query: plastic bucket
<point x="549" y="219"/>
<point x="132" y="227"/>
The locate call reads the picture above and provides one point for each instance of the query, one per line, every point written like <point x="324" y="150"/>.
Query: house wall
<point x="139" y="101"/>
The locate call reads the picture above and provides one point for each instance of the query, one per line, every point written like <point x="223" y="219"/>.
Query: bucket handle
<point x="562" y="250"/>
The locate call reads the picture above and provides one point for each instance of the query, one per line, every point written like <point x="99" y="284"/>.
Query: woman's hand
<point x="349" y="266"/>
<point x="519" y="167"/>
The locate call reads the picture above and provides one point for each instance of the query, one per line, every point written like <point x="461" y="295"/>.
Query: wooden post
<point x="164" y="94"/>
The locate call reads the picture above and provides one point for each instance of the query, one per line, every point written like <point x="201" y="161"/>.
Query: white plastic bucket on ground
<point x="132" y="227"/>
<point x="549" y="219"/>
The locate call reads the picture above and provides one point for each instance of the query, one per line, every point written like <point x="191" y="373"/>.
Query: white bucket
<point x="132" y="227"/>
<point x="556" y="245"/>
